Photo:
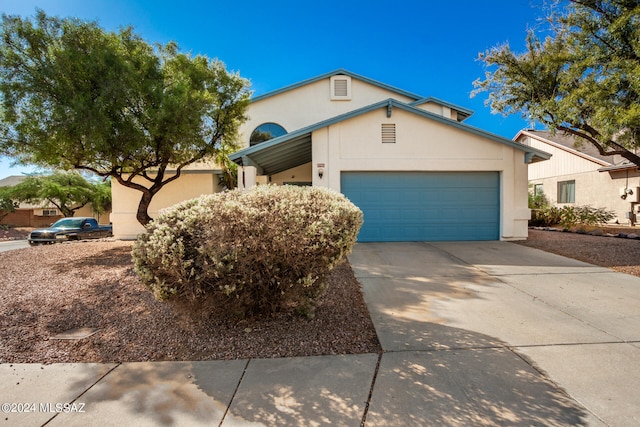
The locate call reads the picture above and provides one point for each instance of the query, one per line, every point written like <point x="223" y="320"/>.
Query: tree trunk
<point x="142" y="214"/>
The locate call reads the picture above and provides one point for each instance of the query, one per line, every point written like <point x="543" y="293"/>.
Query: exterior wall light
<point x="320" y="172"/>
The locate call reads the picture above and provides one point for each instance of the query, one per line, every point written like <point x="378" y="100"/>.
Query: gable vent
<point x="388" y="133"/>
<point x="341" y="88"/>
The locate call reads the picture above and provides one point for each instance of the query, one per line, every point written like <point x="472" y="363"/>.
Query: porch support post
<point x="248" y="161"/>
<point x="246" y="177"/>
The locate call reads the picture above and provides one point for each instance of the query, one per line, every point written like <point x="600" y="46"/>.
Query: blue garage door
<point x="425" y="206"/>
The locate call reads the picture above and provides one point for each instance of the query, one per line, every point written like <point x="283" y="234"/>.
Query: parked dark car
<point x="67" y="229"/>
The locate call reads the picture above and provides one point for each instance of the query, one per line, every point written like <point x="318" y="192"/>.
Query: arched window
<point x="265" y="132"/>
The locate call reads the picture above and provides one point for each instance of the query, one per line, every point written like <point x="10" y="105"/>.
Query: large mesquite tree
<point x="583" y="79"/>
<point x="67" y="191"/>
<point x="74" y="96"/>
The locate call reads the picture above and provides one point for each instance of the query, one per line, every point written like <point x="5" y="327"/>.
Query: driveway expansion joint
<point x="226" y="411"/>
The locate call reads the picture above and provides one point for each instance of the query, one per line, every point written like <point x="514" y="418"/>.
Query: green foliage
<point x="538" y="201"/>
<point x="77" y="97"/>
<point x="7" y="203"/>
<point x="569" y="216"/>
<point x="254" y="253"/>
<point x="581" y="80"/>
<point x="101" y="199"/>
<point x="68" y="191"/>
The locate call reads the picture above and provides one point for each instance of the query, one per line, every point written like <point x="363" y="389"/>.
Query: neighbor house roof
<point x="568" y="143"/>
<point x="294" y="149"/>
<point x="12" y="180"/>
<point x="585" y="150"/>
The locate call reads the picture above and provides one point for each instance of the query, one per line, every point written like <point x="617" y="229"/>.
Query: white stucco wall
<point x="310" y="104"/>
<point x="423" y="145"/>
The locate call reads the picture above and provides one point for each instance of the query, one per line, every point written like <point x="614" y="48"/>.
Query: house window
<point x="341" y="88"/>
<point x="538" y="190"/>
<point x="388" y="133"/>
<point x="265" y="132"/>
<point x="49" y="212"/>
<point x="567" y="191"/>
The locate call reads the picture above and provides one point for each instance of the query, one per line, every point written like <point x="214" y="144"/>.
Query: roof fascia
<point x="340" y="71"/>
<point x="619" y="168"/>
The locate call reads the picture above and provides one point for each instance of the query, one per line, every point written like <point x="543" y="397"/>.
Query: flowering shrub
<point x="257" y="252"/>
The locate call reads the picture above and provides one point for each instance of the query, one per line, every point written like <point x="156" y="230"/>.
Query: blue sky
<point x="426" y="47"/>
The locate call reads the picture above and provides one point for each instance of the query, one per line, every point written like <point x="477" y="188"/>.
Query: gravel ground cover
<point x="619" y="254"/>
<point x="48" y="290"/>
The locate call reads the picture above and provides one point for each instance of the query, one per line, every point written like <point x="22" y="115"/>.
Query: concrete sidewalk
<point x="488" y="333"/>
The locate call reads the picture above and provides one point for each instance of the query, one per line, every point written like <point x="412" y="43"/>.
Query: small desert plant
<point x="257" y="252"/>
<point x="569" y="216"/>
<point x="584" y="215"/>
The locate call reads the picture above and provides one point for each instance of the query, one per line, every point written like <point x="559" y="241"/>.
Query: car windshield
<point x="68" y="223"/>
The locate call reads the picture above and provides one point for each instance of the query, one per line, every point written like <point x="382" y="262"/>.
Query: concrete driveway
<point x="485" y="325"/>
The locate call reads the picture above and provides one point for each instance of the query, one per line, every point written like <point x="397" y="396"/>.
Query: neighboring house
<point x="580" y="175"/>
<point x="27" y="215"/>
<point x="417" y="172"/>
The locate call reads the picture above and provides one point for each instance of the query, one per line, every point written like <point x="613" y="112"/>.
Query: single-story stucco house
<point x="410" y="163"/>
<point x="28" y="215"/>
<point x="578" y="174"/>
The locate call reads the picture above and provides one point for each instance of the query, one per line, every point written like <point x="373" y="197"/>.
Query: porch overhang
<point x="276" y="155"/>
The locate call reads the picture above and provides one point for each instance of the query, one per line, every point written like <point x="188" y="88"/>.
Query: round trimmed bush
<point x="254" y="252"/>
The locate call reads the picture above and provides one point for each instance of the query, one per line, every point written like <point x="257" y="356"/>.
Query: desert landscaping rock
<point x="48" y="290"/>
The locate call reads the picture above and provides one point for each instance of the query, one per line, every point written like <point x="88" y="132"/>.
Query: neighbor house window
<point x="538" y="190"/>
<point x="567" y="191"/>
<point x="49" y="212"/>
<point x="265" y="132"/>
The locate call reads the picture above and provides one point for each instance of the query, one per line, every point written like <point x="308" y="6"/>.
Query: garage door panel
<point x="425" y="206"/>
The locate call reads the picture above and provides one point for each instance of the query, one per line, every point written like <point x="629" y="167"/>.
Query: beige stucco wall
<point x="423" y="145"/>
<point x="310" y="104"/>
<point x="87" y="210"/>
<point x="191" y="184"/>
<point x="597" y="189"/>
<point x="301" y="173"/>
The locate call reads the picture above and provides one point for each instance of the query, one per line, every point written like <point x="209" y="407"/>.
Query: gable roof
<point x="340" y="71"/>
<point x="294" y="149"/>
<point x="568" y="143"/>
